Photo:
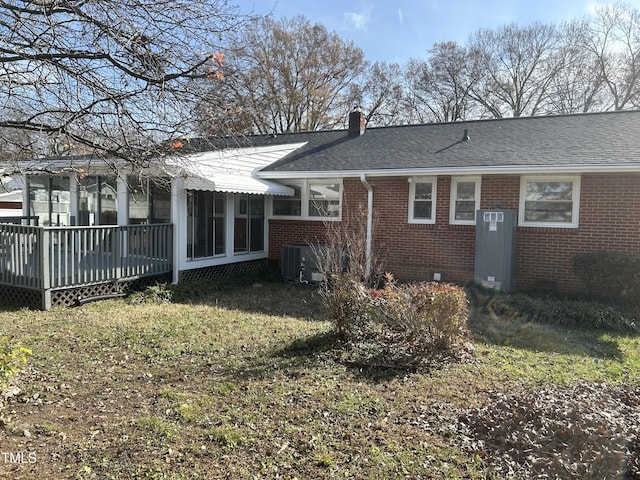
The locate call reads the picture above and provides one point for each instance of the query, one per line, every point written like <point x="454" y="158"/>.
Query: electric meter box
<point x="495" y="264"/>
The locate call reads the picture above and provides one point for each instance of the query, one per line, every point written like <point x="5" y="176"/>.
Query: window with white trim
<point x="549" y="201"/>
<point x="324" y="199"/>
<point x="312" y="200"/>
<point x="422" y="200"/>
<point x="288" y="206"/>
<point x="465" y="200"/>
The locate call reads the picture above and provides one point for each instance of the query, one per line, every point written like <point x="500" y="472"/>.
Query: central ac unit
<point x="299" y="263"/>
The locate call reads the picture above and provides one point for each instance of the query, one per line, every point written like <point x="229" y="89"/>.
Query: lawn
<point x="245" y="384"/>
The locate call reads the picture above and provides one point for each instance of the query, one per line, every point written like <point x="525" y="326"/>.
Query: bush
<point x="399" y="325"/>
<point x="556" y="311"/>
<point x="610" y="275"/>
<point x="349" y="306"/>
<point x="430" y="316"/>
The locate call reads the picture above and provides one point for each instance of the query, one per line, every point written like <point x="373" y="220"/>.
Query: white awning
<point x="236" y="184"/>
<point x="234" y="170"/>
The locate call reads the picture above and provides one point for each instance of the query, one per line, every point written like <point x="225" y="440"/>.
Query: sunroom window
<point x="50" y="200"/>
<point x="549" y="201"/>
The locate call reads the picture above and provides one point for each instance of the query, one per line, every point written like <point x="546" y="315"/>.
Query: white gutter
<point x="480" y="170"/>
<point x="363" y="179"/>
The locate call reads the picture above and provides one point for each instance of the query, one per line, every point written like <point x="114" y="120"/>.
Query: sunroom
<point x="94" y="231"/>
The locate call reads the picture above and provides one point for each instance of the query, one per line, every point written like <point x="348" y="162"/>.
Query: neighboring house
<point x="218" y="208"/>
<point x="11" y="203"/>
<point x="10" y="197"/>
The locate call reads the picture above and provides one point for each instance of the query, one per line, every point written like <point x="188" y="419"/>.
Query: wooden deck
<point x="54" y="258"/>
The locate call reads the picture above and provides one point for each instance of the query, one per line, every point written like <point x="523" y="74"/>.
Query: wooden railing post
<point x="45" y="263"/>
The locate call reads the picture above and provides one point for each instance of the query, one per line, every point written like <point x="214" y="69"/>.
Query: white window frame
<point x="575" y="198"/>
<point x="453" y="197"/>
<point x="412" y="198"/>
<point x="304" y="199"/>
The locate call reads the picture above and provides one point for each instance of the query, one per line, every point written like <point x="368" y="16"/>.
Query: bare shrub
<point x="431" y="318"/>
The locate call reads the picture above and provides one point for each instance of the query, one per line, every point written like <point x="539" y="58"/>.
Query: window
<point x="97" y="201"/>
<point x="205" y="224"/>
<point x="549" y="201"/>
<point x="324" y="199"/>
<point x="288" y="206"/>
<point x="312" y="200"/>
<point x="248" y="228"/>
<point x="465" y="200"/>
<point x="50" y="200"/>
<point x="149" y="200"/>
<point x="422" y="200"/>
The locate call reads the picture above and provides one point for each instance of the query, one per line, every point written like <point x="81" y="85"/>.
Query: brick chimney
<point x="357" y="122"/>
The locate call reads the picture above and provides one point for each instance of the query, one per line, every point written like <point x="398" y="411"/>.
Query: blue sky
<point x="396" y="30"/>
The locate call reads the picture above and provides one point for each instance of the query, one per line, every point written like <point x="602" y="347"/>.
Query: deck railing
<point x="59" y="257"/>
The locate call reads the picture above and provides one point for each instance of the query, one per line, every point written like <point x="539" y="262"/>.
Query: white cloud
<point x="359" y="20"/>
<point x="400" y="16"/>
<point x="356" y="20"/>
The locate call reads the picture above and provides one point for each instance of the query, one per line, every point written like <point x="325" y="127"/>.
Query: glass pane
<point x="138" y="200"/>
<point x="256" y="224"/>
<point x="465" y="210"/>
<point x="39" y="199"/>
<point x="324" y="200"/>
<point x="60" y="201"/>
<point x="88" y="205"/>
<point x="549" y="191"/>
<point x="422" y="209"/>
<point x="190" y="223"/>
<point x="108" y="188"/>
<point x="219" y="223"/>
<point x="241" y="225"/>
<point x="560" y="212"/>
<point x="288" y="206"/>
<point x="160" y="199"/>
<point x="466" y="191"/>
<point x="424" y="191"/>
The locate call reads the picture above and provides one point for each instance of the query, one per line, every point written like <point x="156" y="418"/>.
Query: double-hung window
<point x="465" y="200"/>
<point x="422" y="200"/>
<point x="549" y="201"/>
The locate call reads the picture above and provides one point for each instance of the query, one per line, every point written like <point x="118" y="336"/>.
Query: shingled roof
<point x="593" y="141"/>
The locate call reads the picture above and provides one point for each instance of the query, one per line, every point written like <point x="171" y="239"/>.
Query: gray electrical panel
<point x="495" y="265"/>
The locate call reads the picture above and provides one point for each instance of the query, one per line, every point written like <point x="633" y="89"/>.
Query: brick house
<point x="572" y="180"/>
<point x="229" y="205"/>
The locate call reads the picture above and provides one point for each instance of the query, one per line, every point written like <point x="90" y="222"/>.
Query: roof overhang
<point x="233" y="170"/>
<point x="236" y="184"/>
<point x="479" y="170"/>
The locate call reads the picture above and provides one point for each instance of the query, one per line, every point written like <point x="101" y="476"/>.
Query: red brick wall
<point x="609" y="220"/>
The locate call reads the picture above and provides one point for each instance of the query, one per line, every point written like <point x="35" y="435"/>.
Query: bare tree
<point x="578" y="86"/>
<point x="109" y="77"/>
<point x="612" y="38"/>
<point x="519" y="65"/>
<point x="380" y="95"/>
<point x="440" y="85"/>
<point x="286" y="75"/>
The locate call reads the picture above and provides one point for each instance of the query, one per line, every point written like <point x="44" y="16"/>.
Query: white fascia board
<point x="502" y="170"/>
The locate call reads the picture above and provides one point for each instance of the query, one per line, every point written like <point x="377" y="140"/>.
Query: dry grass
<point x="245" y="385"/>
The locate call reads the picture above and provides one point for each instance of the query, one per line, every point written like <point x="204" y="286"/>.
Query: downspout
<point x="367" y="185"/>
